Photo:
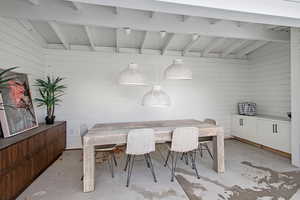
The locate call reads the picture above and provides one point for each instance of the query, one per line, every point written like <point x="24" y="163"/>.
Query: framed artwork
<point x="16" y="111"/>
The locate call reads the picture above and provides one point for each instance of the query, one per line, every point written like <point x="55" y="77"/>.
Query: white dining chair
<point x="139" y="142"/>
<point x="107" y="149"/>
<point x="184" y="140"/>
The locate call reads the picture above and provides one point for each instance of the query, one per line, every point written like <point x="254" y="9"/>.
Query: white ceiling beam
<point x="29" y="27"/>
<point x="198" y="11"/>
<point x="213" y="21"/>
<point x="90" y="37"/>
<point x="213" y="44"/>
<point x="190" y="44"/>
<point x="117" y="40"/>
<point x="251" y="48"/>
<point x="59" y="34"/>
<point x="143" y="41"/>
<point x="77" y="6"/>
<point x="102" y="16"/>
<point x="271" y="26"/>
<point x="34" y="2"/>
<point x="79" y="49"/>
<point x="167" y="43"/>
<point x="233" y="47"/>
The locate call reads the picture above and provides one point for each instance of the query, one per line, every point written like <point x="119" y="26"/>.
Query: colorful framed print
<point x="17" y="112"/>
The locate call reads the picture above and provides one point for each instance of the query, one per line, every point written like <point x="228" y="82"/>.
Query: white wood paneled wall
<point x="295" y="83"/>
<point x="93" y="94"/>
<point x="270" y="75"/>
<point x="19" y="48"/>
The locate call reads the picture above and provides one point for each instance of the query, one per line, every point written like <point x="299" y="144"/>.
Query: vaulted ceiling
<point x="73" y="25"/>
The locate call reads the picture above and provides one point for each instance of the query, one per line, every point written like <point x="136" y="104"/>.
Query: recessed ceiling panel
<point x="104" y="37"/>
<point x="155" y="41"/>
<point x="44" y="29"/>
<point x="201" y="43"/>
<point x="220" y="48"/>
<point x="75" y="34"/>
<point x="130" y="40"/>
<point x="179" y="42"/>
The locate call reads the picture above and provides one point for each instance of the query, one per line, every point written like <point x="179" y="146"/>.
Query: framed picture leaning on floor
<point x="17" y="112"/>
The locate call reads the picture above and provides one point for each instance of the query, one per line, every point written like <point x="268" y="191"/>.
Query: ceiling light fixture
<point x="132" y="76"/>
<point x="178" y="71"/>
<point x="156" y="97"/>
<point x="127" y="30"/>
<point x="162" y="34"/>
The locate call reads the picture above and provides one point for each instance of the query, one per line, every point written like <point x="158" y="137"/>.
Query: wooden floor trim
<point x="281" y="153"/>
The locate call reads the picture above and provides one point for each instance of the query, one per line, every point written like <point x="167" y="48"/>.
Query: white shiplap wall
<point x="93" y="94"/>
<point x="19" y="48"/>
<point x="270" y="75"/>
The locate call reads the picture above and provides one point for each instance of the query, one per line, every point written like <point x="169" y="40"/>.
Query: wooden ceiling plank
<point x="233" y="47"/>
<point x="251" y="48"/>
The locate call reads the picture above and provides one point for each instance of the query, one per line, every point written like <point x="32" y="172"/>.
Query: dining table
<point x="116" y="133"/>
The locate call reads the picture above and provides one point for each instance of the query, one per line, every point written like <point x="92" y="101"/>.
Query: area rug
<point x="264" y="183"/>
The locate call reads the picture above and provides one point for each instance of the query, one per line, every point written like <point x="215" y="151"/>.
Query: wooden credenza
<point x="25" y="156"/>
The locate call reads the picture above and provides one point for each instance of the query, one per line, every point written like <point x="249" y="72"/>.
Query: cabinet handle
<point x="276" y="128"/>
<point x="273" y="125"/>
<point x="241" y="122"/>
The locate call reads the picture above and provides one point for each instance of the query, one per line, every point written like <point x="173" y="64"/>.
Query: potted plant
<point x="50" y="90"/>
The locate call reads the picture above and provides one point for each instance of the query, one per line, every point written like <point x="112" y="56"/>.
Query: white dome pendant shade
<point x="132" y="76"/>
<point x="156" y="97"/>
<point x="178" y="71"/>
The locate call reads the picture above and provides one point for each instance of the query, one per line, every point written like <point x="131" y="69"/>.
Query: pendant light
<point x="178" y="71"/>
<point x="156" y="97"/>
<point x="132" y="76"/>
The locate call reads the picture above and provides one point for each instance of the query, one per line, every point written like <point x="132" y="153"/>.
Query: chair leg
<point x="169" y="152"/>
<point x="200" y="148"/>
<point x="174" y="162"/>
<point x="191" y="155"/>
<point x="110" y="164"/>
<point x="182" y="155"/>
<point x="186" y="155"/>
<point x="127" y="161"/>
<point x="194" y="163"/>
<point x="147" y="160"/>
<point x="209" y="151"/>
<point x="151" y="166"/>
<point x="131" y="162"/>
<point x="115" y="160"/>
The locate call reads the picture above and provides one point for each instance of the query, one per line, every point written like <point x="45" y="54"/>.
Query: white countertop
<point x="262" y="116"/>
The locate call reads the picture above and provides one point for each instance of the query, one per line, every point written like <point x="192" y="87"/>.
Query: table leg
<point x="218" y="147"/>
<point x="88" y="168"/>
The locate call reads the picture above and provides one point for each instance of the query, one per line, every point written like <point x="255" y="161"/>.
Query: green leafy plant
<point x="5" y="77"/>
<point x="50" y="91"/>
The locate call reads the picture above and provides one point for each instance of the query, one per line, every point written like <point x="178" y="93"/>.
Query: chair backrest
<point x="210" y="121"/>
<point x="185" y="139"/>
<point x="140" y="141"/>
<point x="83" y="131"/>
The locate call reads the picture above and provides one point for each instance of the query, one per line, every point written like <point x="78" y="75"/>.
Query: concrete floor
<point x="251" y="173"/>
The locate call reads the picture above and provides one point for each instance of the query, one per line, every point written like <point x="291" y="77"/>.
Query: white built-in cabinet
<point x="269" y="131"/>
